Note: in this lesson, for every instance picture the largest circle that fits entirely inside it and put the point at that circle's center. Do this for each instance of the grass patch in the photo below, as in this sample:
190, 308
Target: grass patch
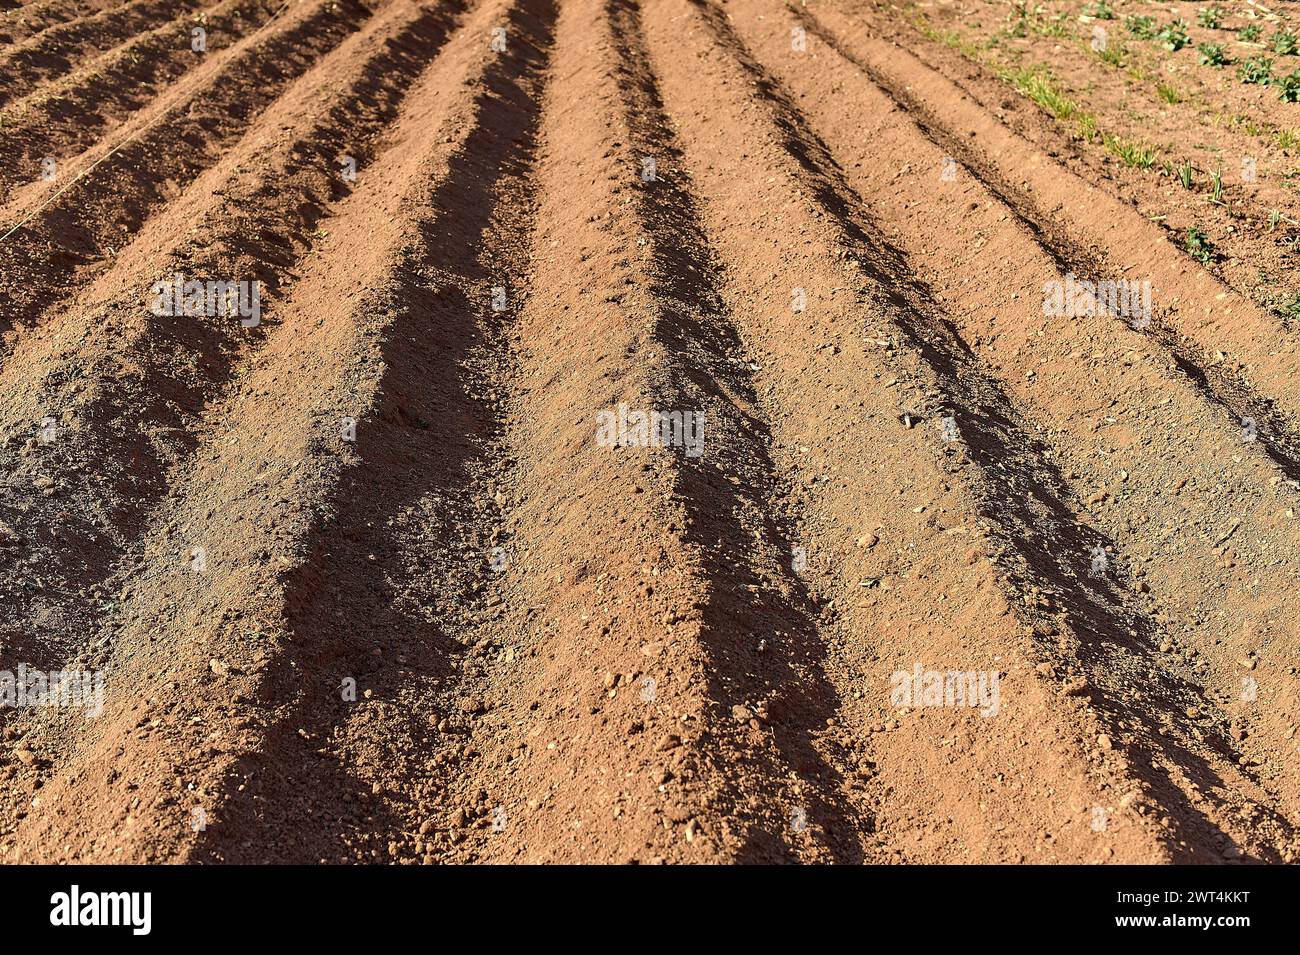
1087, 127
1036, 83
1132, 154
1246, 123
1113, 55
949, 38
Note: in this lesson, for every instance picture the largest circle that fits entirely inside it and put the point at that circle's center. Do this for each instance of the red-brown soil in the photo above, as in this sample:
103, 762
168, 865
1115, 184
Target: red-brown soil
363, 581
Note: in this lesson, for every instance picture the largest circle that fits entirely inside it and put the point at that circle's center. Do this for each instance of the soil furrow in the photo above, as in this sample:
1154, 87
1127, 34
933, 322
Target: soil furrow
59, 50
1184, 580
645, 431
830, 433
150, 162
152, 432
270, 198
31, 18
60, 120
593, 738
1025, 497
1253, 219
588, 740
416, 513
1241, 356
729, 495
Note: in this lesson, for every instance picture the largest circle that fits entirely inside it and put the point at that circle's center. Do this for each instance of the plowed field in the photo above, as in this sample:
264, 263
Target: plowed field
394, 562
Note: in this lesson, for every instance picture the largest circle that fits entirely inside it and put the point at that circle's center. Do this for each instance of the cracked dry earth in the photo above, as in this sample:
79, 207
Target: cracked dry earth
363, 583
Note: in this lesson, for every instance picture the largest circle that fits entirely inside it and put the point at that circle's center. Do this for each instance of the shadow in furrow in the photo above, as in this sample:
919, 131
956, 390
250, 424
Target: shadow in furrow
1023, 497
136, 435
73, 113
40, 263
425, 437
1278, 435
63, 49
753, 594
